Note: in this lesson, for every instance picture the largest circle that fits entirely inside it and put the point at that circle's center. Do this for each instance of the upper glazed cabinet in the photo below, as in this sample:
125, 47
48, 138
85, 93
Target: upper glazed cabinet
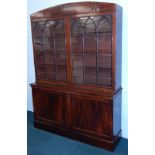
77, 48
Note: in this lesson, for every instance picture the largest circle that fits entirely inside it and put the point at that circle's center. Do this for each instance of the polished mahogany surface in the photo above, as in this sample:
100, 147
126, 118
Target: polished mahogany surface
77, 55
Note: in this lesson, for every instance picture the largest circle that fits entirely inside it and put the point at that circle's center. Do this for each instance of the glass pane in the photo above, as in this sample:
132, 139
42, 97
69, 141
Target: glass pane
54, 27
61, 73
104, 61
77, 44
104, 82
90, 71
50, 76
40, 75
38, 44
50, 66
78, 79
61, 60
38, 29
77, 71
77, 61
104, 23
50, 59
104, 73
91, 48
60, 44
77, 26
90, 80
49, 44
90, 43
50, 69
90, 60
89, 25
40, 65
104, 43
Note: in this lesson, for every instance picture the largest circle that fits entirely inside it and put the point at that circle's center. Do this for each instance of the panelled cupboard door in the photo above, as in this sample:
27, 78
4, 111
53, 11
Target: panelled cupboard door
90, 116
91, 50
50, 50
49, 107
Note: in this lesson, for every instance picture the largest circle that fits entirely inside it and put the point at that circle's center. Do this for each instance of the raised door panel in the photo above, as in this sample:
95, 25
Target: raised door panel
50, 50
90, 116
49, 107
91, 50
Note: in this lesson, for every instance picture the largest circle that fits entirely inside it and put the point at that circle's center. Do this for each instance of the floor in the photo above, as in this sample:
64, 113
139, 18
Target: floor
40, 142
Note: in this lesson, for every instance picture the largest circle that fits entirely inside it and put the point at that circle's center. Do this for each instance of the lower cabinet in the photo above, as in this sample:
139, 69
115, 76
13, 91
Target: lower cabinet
49, 107
90, 116
82, 117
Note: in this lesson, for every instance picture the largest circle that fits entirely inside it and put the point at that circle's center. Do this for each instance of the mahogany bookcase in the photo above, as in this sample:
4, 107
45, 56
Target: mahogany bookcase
77, 56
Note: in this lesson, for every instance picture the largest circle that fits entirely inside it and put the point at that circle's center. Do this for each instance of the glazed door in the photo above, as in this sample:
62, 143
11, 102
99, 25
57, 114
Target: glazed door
49, 107
50, 50
89, 116
91, 50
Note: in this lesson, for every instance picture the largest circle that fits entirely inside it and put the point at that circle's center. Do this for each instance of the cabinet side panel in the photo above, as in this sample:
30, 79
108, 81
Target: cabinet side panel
117, 106
118, 76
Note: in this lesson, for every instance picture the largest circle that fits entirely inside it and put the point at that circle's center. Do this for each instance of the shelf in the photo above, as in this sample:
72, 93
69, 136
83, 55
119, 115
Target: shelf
99, 68
87, 52
53, 65
48, 52
92, 33
51, 52
46, 73
55, 53
46, 36
90, 54
50, 73
94, 77
55, 35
